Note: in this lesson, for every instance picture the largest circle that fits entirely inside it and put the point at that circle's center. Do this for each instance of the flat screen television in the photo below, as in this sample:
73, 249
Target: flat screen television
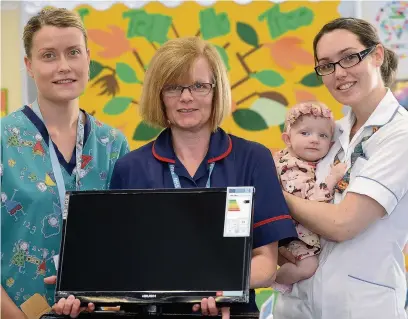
156, 246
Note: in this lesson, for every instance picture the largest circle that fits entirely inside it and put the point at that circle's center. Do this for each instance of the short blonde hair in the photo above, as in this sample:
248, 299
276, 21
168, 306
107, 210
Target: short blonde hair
56, 17
172, 63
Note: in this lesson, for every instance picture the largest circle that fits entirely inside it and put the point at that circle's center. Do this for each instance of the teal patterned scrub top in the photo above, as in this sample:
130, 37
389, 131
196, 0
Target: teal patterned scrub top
31, 219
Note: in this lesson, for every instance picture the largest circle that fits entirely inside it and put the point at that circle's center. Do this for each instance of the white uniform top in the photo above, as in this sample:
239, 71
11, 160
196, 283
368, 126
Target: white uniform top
363, 278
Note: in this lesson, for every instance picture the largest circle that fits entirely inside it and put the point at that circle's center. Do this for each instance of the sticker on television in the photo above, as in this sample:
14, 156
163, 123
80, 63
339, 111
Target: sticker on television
238, 212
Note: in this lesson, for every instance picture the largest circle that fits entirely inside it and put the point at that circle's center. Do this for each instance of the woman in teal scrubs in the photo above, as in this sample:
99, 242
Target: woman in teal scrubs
48, 147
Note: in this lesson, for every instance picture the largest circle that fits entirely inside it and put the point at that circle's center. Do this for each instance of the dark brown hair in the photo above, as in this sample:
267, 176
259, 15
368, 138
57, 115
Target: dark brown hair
368, 37
57, 17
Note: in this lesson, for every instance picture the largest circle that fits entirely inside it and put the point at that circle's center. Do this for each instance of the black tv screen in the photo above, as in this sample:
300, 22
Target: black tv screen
156, 246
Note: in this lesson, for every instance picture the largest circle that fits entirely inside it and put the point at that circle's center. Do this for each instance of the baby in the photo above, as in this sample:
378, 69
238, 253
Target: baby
308, 133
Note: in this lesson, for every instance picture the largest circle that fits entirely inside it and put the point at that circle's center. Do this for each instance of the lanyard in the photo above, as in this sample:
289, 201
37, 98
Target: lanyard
56, 167
176, 180
357, 152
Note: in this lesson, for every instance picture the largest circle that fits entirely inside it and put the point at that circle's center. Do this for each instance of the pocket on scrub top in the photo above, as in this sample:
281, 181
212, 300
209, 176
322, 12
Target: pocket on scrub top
369, 300
357, 168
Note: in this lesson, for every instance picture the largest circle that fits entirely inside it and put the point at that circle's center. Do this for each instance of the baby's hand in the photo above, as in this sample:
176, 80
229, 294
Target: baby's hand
337, 171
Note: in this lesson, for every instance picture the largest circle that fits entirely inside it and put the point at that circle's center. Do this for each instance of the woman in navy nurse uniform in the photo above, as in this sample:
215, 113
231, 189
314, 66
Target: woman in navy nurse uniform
186, 91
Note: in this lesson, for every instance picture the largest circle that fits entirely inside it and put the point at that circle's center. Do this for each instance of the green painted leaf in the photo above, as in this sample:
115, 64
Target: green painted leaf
213, 25
94, 69
282, 127
153, 27
269, 78
224, 56
117, 105
249, 120
311, 80
126, 73
144, 132
83, 12
272, 112
247, 34
281, 22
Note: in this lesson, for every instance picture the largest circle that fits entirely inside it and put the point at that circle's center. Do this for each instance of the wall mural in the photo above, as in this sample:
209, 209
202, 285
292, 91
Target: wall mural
4, 103
266, 47
391, 20
401, 92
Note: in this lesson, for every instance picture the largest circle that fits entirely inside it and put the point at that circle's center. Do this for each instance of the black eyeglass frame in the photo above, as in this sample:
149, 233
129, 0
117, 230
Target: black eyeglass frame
361, 56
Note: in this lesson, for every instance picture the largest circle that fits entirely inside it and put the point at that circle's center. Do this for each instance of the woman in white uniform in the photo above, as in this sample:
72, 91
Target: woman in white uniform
361, 272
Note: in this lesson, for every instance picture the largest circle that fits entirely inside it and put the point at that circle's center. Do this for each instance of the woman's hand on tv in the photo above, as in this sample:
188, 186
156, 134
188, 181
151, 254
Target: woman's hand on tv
209, 308
69, 306
52, 280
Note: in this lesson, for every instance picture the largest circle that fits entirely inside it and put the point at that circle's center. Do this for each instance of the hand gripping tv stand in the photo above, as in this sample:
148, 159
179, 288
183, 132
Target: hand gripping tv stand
149, 312
112, 315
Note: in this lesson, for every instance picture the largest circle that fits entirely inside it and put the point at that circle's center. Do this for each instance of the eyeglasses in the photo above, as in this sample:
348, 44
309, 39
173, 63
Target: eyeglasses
347, 62
196, 89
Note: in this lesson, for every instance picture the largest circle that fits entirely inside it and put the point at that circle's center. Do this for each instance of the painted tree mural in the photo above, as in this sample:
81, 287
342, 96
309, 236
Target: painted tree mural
266, 48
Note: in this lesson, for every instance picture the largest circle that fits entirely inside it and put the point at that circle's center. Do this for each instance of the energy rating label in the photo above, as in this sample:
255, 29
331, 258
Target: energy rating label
238, 211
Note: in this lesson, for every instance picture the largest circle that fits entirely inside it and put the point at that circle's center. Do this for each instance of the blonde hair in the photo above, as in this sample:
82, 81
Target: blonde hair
172, 63
57, 17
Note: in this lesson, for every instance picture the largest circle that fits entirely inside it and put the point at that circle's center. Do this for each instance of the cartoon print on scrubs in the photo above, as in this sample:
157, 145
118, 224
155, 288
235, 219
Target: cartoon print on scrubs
108, 142
10, 282
11, 163
31, 210
11, 206
38, 149
22, 256
46, 184
42, 264
14, 139
18, 295
52, 223
85, 160
20, 251
25, 257
357, 152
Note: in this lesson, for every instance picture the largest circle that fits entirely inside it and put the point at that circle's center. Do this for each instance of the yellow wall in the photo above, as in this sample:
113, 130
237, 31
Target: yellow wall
11, 63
